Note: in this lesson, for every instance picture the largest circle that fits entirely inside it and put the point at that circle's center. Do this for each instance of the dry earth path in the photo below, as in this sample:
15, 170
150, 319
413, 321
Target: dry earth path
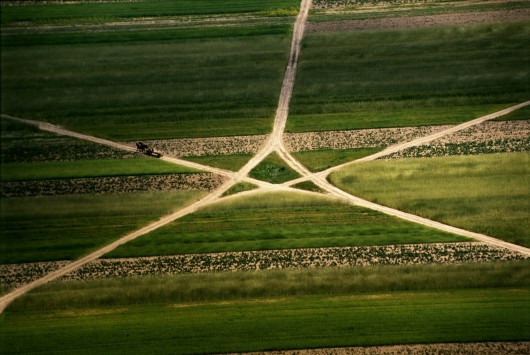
274, 143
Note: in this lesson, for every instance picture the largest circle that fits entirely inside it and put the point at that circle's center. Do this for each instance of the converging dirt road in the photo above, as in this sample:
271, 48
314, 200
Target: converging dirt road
273, 143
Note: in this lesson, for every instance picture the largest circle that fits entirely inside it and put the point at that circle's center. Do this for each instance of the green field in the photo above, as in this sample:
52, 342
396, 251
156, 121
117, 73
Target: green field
487, 194
67, 227
318, 160
89, 168
232, 162
106, 12
273, 169
278, 221
520, 114
239, 187
314, 310
148, 85
409, 77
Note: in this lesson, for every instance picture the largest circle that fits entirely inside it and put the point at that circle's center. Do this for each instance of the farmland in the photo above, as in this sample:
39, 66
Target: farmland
258, 230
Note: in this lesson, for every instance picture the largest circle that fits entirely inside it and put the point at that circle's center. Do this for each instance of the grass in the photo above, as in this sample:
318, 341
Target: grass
240, 187
183, 83
232, 162
308, 186
318, 160
89, 168
520, 114
374, 79
488, 194
278, 221
98, 12
273, 169
231, 312
67, 227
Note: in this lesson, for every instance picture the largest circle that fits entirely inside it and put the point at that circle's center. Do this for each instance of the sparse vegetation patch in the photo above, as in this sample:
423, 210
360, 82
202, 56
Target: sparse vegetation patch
274, 170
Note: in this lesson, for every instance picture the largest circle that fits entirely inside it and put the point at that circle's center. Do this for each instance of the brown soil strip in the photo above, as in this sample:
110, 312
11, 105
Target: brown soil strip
209, 146
420, 349
294, 258
362, 138
465, 18
485, 138
15, 275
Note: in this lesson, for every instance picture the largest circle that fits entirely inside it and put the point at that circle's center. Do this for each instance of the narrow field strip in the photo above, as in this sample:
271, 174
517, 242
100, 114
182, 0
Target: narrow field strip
411, 254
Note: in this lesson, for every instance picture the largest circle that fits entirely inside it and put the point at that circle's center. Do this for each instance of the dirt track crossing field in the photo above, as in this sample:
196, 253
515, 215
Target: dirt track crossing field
273, 143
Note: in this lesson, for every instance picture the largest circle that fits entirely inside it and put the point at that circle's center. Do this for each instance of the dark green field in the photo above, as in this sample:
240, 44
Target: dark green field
487, 194
318, 160
275, 221
89, 168
67, 227
141, 82
106, 12
409, 77
232, 162
273, 169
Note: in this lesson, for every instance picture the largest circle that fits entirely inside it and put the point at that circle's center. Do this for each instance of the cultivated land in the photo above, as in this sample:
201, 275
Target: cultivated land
201, 82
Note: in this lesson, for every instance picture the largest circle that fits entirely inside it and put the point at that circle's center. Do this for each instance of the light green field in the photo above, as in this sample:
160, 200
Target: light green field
239, 187
56, 318
409, 77
67, 227
278, 221
488, 194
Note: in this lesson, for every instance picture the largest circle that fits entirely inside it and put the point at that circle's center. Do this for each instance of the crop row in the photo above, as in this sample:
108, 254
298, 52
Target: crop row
114, 184
361, 138
294, 258
14, 275
467, 148
209, 146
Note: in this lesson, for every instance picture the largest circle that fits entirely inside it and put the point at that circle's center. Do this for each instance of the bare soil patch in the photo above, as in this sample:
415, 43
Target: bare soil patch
420, 349
115, 184
208, 146
15, 275
485, 138
362, 138
464, 18
294, 258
